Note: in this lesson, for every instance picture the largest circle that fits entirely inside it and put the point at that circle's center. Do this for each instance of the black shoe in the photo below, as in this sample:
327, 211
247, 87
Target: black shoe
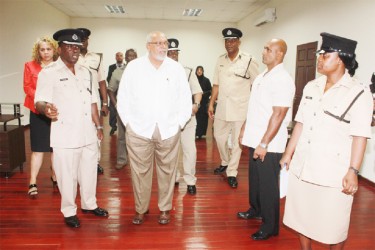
220, 169
72, 221
249, 214
100, 169
260, 235
232, 181
176, 183
191, 189
113, 130
97, 211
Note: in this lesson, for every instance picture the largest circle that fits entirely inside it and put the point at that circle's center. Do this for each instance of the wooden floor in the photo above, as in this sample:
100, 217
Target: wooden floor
204, 221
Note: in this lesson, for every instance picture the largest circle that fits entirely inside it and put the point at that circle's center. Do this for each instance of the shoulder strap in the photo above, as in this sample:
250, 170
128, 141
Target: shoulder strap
341, 118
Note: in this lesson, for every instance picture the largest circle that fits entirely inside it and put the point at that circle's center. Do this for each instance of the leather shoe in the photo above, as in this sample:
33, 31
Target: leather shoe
249, 214
139, 218
191, 189
220, 169
260, 235
164, 217
232, 181
113, 130
97, 211
100, 169
72, 221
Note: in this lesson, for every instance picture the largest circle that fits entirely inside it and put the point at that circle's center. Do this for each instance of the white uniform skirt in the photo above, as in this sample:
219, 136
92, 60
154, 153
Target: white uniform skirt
317, 212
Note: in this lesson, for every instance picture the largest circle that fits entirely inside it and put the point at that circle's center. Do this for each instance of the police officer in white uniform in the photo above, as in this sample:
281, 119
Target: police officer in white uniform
65, 94
234, 73
189, 150
94, 62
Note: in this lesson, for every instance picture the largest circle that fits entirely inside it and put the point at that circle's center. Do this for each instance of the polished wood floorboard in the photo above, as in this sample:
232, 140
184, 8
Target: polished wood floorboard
204, 221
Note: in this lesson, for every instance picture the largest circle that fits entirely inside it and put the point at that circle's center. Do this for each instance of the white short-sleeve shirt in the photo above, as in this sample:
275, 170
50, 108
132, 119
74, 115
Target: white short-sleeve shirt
273, 89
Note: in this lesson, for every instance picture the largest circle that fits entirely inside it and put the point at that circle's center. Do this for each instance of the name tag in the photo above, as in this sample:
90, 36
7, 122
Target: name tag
308, 97
63, 79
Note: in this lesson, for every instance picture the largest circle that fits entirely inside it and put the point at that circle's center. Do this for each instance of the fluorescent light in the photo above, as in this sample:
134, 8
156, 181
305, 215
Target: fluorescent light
115, 9
192, 12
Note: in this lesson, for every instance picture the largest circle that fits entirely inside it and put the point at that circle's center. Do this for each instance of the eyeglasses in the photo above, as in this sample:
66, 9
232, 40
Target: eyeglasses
160, 43
244, 76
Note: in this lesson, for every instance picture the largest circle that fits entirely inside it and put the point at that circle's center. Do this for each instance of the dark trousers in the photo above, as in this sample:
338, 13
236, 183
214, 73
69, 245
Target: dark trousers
202, 120
264, 194
112, 116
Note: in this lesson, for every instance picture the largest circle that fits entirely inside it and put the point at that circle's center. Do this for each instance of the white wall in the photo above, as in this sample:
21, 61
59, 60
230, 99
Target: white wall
21, 23
301, 21
200, 42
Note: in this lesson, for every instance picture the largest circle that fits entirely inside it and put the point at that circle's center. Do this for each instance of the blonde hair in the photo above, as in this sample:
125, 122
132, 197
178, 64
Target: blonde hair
35, 52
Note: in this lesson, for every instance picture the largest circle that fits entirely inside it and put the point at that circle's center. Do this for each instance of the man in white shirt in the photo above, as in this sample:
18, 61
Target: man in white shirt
154, 104
265, 132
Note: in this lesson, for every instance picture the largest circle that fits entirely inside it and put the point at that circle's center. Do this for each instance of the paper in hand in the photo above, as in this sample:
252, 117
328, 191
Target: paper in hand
284, 174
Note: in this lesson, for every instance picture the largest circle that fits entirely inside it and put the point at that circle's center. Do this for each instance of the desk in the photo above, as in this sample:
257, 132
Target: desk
12, 141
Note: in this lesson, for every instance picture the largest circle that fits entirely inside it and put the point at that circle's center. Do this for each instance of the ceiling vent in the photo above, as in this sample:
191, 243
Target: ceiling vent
192, 12
269, 16
115, 9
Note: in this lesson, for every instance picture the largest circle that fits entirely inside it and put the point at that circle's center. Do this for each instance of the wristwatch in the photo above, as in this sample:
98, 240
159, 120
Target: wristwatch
263, 145
198, 104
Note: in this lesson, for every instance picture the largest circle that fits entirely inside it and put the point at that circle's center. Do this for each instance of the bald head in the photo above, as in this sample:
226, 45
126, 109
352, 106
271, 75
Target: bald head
274, 52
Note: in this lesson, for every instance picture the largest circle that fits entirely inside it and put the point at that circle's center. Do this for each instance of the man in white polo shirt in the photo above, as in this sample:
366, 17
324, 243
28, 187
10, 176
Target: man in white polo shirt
265, 132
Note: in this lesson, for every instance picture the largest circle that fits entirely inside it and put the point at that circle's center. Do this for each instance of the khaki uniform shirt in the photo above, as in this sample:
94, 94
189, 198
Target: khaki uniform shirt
115, 79
71, 95
195, 88
234, 90
323, 152
94, 62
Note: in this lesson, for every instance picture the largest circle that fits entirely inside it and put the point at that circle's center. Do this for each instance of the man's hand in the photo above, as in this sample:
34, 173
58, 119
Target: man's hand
50, 111
99, 134
104, 110
260, 153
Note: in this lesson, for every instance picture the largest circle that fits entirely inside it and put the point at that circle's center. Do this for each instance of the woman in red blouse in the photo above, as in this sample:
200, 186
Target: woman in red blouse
44, 52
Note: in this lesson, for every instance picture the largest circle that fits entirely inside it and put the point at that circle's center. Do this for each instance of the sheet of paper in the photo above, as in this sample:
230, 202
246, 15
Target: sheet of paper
284, 174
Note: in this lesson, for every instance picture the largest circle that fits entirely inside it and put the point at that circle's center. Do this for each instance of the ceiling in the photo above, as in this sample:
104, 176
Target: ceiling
213, 10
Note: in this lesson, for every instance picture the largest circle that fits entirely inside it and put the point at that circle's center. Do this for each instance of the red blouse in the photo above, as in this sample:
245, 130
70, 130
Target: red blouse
30, 78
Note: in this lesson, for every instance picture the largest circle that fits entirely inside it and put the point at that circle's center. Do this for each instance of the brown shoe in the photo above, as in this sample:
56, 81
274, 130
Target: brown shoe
164, 217
139, 218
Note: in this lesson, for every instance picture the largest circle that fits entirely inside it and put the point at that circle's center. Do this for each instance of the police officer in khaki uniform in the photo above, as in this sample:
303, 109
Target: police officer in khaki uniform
234, 73
327, 146
64, 93
94, 62
189, 150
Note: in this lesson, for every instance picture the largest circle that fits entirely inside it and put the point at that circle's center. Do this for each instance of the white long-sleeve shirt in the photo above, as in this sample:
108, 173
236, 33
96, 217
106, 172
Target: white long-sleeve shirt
148, 97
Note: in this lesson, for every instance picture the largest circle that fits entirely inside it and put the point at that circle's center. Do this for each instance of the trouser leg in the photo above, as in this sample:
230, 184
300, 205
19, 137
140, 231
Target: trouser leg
166, 156
141, 155
122, 155
87, 176
221, 133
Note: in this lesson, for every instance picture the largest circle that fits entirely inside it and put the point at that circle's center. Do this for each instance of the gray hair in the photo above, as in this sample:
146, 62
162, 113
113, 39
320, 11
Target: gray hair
151, 34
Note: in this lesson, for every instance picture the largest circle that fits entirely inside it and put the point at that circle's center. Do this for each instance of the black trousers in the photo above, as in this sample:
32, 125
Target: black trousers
264, 194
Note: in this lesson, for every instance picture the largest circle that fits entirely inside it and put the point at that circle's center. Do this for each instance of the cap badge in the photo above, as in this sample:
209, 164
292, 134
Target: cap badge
229, 32
75, 37
173, 44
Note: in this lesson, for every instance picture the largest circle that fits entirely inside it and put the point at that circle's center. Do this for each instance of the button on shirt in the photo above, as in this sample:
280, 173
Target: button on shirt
148, 96
273, 89
234, 91
70, 94
323, 152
